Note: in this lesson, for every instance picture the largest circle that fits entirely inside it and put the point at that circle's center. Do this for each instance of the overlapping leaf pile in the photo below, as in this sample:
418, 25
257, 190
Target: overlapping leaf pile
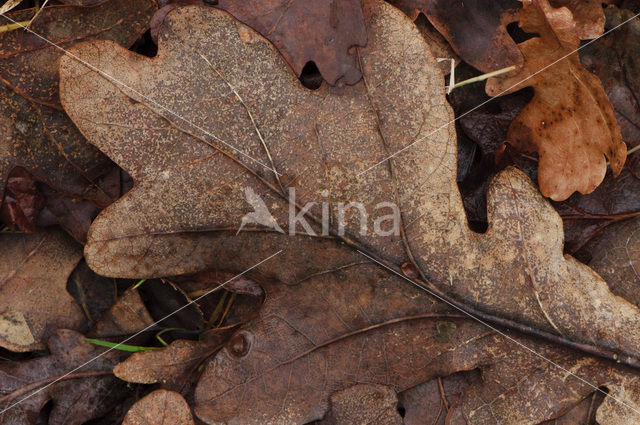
330, 321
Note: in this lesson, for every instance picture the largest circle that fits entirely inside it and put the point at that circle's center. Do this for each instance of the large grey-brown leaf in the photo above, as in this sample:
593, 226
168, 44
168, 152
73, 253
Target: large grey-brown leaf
336, 330
188, 201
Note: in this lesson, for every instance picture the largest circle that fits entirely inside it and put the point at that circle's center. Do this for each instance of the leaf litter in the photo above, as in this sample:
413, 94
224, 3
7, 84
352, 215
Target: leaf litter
339, 338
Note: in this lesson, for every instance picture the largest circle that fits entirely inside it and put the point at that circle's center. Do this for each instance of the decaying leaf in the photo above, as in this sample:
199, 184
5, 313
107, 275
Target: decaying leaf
29, 63
22, 202
618, 260
337, 330
126, 316
476, 29
363, 404
569, 122
614, 59
308, 30
159, 408
34, 302
173, 365
85, 394
183, 214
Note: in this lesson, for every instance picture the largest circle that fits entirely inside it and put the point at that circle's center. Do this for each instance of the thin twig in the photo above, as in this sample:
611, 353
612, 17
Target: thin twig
43, 382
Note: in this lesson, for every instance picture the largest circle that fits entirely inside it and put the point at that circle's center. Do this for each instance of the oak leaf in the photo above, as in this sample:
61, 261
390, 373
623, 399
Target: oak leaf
34, 302
323, 336
477, 30
87, 393
308, 30
28, 60
570, 121
614, 60
188, 201
159, 408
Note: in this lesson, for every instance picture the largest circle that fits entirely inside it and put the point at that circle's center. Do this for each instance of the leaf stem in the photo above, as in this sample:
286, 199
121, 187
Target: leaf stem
13, 26
480, 78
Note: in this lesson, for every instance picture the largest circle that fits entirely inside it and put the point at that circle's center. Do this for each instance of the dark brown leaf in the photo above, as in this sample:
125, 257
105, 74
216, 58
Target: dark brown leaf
87, 393
22, 202
617, 259
29, 63
614, 59
308, 30
324, 335
476, 29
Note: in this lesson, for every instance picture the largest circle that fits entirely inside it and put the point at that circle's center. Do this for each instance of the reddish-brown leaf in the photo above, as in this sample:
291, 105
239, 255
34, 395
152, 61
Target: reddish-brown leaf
569, 122
22, 202
308, 30
88, 392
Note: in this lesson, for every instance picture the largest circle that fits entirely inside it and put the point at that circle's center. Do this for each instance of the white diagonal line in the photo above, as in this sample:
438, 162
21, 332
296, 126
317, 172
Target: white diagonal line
148, 99
543, 357
494, 97
134, 335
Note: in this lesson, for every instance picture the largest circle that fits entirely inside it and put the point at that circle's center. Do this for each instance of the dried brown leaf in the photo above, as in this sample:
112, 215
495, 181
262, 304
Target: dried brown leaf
569, 122
87, 393
341, 320
363, 404
33, 298
29, 63
173, 365
475, 29
614, 59
308, 30
159, 408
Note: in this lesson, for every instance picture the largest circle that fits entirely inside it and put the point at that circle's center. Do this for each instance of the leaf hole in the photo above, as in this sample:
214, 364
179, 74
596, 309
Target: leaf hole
518, 34
145, 45
401, 410
310, 76
45, 413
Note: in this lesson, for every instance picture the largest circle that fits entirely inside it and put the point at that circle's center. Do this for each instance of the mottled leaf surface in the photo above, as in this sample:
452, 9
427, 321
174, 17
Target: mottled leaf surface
569, 122
187, 202
34, 302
